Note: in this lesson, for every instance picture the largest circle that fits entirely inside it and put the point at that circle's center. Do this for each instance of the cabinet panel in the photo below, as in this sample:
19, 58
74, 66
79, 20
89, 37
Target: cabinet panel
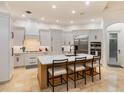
6, 50
19, 60
57, 41
68, 38
19, 34
96, 36
45, 38
31, 58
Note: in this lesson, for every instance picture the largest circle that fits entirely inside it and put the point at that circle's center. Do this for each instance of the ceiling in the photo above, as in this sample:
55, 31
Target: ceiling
63, 11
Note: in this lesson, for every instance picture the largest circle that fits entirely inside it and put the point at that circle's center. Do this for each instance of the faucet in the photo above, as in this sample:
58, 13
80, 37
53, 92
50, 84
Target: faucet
75, 49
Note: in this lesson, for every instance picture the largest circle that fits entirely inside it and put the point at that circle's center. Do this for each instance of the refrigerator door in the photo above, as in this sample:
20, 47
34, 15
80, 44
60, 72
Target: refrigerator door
6, 63
82, 42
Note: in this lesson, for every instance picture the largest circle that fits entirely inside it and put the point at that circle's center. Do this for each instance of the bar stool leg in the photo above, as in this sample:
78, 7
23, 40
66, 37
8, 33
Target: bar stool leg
77, 75
75, 79
99, 73
67, 81
61, 79
53, 83
92, 71
47, 78
85, 76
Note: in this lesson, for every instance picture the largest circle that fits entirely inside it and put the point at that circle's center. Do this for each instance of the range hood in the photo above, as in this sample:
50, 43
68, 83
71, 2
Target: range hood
32, 43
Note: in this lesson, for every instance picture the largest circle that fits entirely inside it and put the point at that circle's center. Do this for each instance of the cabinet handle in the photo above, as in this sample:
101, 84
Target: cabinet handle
12, 35
32, 62
32, 58
12, 51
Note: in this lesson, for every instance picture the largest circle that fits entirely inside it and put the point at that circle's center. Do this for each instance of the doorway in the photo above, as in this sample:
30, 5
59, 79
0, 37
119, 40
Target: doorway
114, 48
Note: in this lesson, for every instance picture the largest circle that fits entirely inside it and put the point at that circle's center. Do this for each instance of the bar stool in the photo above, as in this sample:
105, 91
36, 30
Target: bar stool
79, 65
95, 63
57, 70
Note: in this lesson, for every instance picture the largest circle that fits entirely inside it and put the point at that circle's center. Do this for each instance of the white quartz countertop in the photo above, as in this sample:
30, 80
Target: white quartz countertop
48, 59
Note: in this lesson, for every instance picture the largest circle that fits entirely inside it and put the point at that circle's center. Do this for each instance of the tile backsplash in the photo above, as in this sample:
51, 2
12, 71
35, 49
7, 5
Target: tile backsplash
32, 44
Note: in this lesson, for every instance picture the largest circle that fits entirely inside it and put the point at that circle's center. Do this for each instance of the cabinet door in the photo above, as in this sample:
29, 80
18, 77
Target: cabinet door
95, 36
6, 65
19, 34
45, 38
68, 38
57, 41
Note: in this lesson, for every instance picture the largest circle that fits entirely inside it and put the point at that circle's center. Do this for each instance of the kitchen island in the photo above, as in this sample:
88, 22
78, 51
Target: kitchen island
45, 60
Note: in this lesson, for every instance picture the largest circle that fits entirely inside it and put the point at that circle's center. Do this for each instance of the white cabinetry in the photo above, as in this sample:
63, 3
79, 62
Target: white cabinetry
19, 34
6, 50
96, 36
19, 60
31, 58
56, 41
68, 38
45, 38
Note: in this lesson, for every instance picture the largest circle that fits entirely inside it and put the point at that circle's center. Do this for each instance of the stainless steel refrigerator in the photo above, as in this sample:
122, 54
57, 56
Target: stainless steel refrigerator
82, 42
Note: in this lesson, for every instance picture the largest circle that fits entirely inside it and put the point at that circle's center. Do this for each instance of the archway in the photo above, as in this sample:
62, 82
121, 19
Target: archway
114, 36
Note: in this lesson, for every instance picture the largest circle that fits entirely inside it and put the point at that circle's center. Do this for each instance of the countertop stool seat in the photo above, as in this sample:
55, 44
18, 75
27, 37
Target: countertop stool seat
58, 69
78, 68
94, 65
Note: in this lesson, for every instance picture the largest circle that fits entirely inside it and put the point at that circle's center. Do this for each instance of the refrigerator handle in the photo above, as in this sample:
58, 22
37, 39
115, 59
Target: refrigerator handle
119, 51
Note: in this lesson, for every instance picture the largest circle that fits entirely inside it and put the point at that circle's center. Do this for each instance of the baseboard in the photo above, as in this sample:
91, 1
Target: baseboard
114, 65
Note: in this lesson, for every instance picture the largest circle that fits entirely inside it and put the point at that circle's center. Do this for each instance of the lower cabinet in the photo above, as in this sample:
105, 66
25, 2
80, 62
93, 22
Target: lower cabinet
26, 59
31, 58
19, 60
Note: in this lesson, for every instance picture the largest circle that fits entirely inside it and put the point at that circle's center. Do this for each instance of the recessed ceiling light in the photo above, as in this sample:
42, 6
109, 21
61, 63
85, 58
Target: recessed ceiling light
28, 12
71, 22
92, 20
87, 2
23, 15
42, 18
57, 21
73, 11
53, 6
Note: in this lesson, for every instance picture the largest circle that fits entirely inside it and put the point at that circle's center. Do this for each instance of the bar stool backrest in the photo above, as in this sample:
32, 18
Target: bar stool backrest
59, 63
80, 60
96, 59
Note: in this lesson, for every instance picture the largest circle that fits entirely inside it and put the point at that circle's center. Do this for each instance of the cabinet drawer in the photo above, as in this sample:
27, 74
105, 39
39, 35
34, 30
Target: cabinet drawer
31, 63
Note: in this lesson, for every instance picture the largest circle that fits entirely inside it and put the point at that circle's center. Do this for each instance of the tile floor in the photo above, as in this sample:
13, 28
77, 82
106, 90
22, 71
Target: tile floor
26, 80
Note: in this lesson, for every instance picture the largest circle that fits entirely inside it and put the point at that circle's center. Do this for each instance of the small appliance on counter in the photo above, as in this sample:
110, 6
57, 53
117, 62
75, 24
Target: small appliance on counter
44, 49
18, 49
70, 50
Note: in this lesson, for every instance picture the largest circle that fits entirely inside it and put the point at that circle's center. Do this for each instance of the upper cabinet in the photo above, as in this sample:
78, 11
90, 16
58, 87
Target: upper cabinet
19, 36
31, 28
56, 40
95, 36
67, 38
45, 37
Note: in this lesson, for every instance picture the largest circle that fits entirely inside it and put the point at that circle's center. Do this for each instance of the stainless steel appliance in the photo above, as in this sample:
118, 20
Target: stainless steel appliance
82, 42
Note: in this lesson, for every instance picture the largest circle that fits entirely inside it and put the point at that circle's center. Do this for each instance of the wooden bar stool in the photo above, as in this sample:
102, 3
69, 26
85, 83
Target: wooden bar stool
57, 70
95, 63
78, 66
